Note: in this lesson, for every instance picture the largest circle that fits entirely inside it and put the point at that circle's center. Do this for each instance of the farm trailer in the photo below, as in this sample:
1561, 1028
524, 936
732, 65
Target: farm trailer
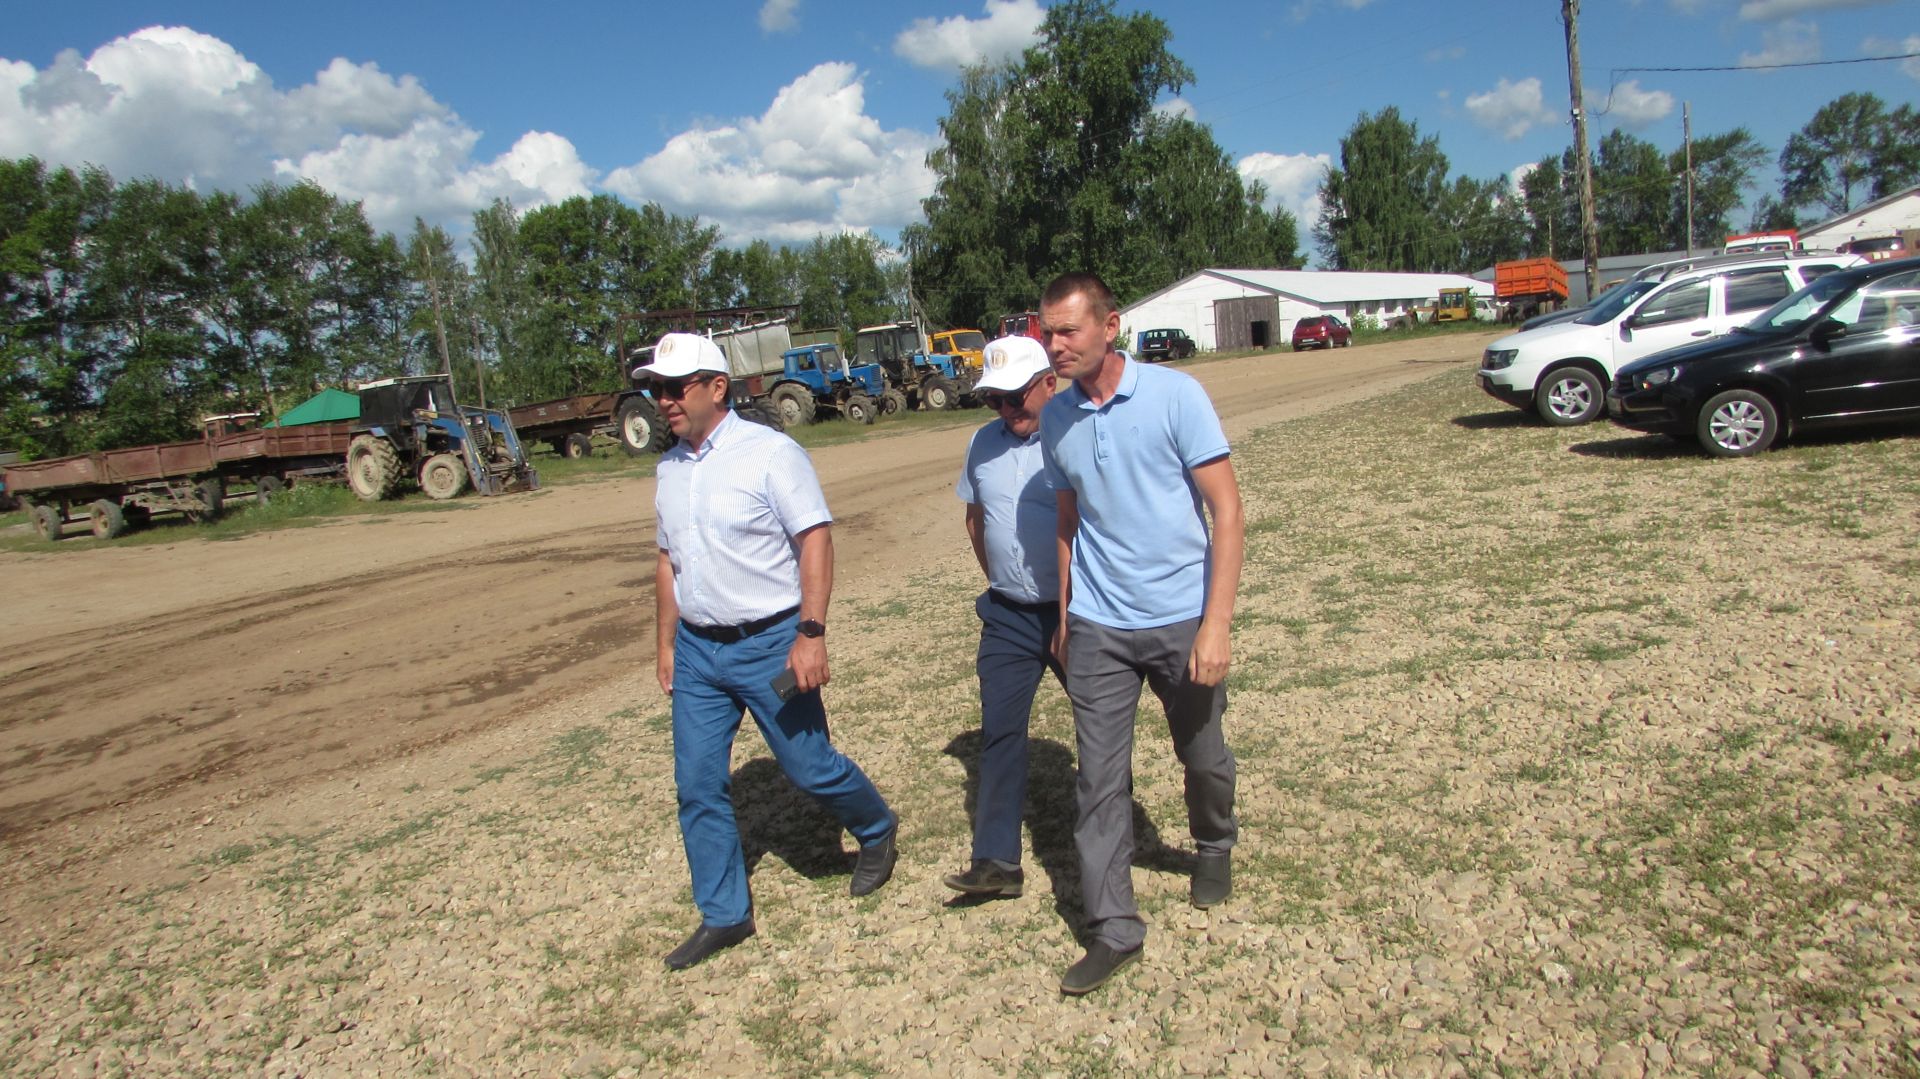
112, 489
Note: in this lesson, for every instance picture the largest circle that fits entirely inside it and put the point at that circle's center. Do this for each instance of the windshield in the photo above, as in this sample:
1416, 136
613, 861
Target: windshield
1610, 304
1793, 312
970, 341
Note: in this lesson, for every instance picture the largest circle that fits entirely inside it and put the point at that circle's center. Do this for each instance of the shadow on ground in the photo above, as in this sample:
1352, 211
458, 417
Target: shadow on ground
775, 818
1639, 447
1499, 420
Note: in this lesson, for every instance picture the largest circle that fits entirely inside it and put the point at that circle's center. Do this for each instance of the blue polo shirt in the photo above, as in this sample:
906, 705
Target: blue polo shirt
1005, 476
1142, 554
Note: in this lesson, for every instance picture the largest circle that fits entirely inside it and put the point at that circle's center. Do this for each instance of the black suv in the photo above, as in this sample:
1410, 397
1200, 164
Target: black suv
1843, 350
1165, 345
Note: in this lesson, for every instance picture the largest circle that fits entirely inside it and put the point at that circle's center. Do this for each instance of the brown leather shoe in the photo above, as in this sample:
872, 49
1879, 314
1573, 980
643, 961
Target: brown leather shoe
985, 878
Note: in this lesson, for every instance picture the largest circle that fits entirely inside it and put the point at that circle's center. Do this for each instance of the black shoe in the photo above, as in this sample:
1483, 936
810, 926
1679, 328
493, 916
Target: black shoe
874, 866
707, 940
1212, 880
987, 879
1095, 967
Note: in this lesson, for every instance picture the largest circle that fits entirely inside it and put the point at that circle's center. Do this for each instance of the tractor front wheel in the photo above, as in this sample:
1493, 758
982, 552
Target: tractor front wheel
938, 393
859, 408
444, 476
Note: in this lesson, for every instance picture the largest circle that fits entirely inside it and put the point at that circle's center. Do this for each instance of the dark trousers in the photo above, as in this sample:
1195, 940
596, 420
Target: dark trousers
1016, 651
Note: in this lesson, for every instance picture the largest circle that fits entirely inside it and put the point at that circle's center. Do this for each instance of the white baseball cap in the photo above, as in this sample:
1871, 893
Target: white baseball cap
679, 355
1011, 363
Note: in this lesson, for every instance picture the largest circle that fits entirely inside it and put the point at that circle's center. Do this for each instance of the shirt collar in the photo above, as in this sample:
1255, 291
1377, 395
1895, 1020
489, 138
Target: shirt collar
1129, 379
718, 434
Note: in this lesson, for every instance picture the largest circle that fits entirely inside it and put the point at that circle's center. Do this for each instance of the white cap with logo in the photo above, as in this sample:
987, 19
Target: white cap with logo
680, 355
1011, 363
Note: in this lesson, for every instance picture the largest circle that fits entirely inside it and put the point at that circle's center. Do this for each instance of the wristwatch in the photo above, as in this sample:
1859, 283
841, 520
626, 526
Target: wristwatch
812, 628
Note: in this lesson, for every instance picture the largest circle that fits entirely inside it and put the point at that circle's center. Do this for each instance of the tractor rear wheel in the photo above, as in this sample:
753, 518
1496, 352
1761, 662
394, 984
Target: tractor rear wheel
938, 393
859, 408
373, 468
576, 445
892, 401
47, 522
105, 517
267, 488
443, 476
794, 404
641, 430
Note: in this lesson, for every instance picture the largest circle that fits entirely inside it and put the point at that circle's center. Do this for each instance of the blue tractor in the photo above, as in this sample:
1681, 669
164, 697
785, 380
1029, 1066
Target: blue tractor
412, 428
921, 378
814, 377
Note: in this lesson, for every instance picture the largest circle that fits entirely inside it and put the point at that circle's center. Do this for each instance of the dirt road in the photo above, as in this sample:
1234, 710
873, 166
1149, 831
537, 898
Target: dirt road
157, 677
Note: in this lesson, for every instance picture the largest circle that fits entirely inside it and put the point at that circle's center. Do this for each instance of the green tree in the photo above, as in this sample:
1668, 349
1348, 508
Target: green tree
1852, 151
47, 353
1058, 161
1723, 167
1551, 200
1632, 195
1380, 207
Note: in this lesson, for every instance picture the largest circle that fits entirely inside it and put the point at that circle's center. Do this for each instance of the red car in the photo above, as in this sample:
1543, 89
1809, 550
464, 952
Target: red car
1321, 331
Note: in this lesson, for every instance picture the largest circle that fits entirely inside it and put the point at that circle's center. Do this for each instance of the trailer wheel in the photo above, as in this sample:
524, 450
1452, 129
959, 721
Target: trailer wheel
640, 428
576, 445
373, 468
212, 495
938, 393
859, 408
892, 401
794, 404
444, 476
267, 488
47, 522
105, 517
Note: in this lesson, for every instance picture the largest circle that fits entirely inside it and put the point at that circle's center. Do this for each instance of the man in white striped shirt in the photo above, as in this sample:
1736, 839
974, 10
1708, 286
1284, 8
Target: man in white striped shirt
744, 575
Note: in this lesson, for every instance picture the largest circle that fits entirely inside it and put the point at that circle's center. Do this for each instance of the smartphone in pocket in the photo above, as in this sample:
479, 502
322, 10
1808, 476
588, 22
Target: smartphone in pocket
785, 685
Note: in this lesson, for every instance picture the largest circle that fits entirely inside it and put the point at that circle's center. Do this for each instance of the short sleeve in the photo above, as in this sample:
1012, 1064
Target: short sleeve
1197, 435
1050, 424
793, 489
963, 487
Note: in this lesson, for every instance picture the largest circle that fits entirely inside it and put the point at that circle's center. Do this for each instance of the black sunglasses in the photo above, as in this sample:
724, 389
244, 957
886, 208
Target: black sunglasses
676, 389
998, 401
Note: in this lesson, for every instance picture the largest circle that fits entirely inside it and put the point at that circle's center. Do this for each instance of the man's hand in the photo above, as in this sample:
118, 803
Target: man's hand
1060, 644
1212, 654
663, 666
808, 659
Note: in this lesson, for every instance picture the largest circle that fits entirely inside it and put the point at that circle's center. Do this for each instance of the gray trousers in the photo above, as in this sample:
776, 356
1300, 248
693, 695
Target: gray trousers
1105, 667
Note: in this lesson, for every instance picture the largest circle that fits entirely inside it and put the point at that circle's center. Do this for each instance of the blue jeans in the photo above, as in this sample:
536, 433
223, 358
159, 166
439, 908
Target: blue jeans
712, 684
1016, 652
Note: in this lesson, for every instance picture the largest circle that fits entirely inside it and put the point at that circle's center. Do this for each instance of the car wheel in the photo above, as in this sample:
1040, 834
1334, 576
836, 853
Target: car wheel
1569, 396
1737, 423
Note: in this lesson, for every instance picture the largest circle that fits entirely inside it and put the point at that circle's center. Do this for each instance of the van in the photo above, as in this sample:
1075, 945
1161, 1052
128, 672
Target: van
1562, 371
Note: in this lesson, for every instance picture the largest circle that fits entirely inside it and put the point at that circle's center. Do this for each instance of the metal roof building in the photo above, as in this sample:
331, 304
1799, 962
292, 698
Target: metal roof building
1231, 309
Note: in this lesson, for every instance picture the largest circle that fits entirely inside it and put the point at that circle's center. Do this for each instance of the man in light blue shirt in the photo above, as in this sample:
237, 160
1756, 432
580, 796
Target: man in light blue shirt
1010, 521
741, 586
1138, 463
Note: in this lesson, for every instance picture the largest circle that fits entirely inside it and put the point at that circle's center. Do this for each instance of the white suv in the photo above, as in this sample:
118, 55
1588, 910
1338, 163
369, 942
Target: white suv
1563, 370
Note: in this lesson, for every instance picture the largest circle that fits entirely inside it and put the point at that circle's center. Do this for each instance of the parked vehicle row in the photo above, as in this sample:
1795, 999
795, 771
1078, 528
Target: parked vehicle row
1562, 370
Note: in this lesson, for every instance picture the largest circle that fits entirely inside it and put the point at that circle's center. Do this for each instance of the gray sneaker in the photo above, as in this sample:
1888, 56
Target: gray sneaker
1101, 962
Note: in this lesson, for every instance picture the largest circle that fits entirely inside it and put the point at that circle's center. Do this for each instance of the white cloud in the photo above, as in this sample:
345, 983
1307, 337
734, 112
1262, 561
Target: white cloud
1292, 181
1880, 46
1177, 106
1769, 10
813, 162
184, 107
1794, 41
1518, 175
1007, 28
780, 16
1630, 106
1448, 52
1511, 108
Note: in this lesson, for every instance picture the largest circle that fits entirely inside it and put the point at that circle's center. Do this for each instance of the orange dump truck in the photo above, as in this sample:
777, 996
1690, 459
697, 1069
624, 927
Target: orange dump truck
1528, 287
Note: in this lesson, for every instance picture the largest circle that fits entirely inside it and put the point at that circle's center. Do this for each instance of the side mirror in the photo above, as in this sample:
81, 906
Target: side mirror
1828, 329
1626, 328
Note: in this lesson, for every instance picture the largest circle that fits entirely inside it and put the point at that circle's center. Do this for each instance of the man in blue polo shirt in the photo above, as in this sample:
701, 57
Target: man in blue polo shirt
1010, 521
1138, 463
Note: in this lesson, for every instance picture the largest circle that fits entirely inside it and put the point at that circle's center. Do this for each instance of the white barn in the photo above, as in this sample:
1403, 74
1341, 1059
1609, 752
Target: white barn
1881, 217
1222, 309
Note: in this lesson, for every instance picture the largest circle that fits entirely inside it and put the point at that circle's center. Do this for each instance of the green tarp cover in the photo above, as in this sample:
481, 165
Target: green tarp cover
326, 406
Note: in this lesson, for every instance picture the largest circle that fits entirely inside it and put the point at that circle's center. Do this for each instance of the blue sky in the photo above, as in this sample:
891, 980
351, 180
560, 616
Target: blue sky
783, 118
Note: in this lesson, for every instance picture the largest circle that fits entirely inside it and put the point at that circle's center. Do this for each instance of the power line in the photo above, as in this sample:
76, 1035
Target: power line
1771, 67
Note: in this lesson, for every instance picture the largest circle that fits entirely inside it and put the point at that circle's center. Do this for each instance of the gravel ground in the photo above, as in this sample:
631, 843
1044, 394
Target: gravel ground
1561, 753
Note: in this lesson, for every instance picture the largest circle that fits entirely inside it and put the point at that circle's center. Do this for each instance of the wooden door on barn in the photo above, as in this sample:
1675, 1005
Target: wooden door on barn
1247, 322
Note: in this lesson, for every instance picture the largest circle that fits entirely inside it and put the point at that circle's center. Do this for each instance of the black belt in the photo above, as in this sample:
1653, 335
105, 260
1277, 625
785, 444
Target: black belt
730, 634
1043, 607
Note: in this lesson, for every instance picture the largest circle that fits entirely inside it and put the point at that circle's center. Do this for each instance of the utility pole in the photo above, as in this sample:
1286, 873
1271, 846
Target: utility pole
1686, 135
1570, 14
